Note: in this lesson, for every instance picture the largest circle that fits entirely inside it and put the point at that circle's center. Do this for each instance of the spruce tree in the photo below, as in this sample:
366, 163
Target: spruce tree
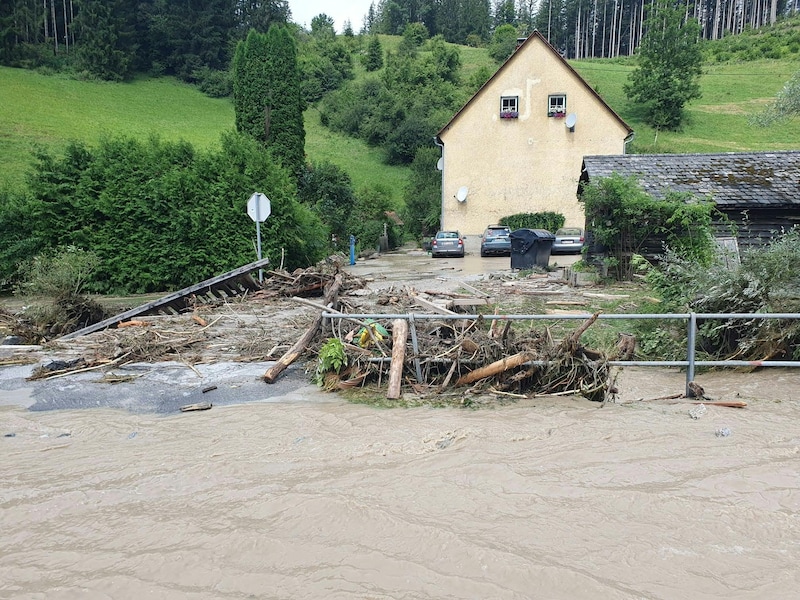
286, 135
670, 65
373, 60
267, 96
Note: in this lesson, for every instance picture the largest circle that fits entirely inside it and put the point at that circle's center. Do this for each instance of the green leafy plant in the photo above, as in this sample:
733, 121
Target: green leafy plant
626, 221
332, 359
57, 279
766, 281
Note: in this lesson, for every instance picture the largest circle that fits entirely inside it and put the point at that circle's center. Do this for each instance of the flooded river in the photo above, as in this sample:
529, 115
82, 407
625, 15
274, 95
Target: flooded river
305, 496
552, 498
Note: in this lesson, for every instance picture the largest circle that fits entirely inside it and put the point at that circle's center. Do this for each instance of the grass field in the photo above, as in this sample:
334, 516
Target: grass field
49, 111
718, 121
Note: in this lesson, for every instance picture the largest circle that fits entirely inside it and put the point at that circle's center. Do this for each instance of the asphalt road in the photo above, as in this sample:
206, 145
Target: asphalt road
157, 387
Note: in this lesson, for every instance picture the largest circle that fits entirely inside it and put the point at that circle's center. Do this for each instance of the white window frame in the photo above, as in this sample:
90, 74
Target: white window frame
556, 104
509, 105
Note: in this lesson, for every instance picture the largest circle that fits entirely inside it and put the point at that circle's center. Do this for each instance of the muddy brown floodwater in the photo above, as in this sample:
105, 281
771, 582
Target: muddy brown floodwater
314, 497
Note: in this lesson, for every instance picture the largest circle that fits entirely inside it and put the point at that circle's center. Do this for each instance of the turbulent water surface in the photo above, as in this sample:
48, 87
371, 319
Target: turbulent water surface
550, 498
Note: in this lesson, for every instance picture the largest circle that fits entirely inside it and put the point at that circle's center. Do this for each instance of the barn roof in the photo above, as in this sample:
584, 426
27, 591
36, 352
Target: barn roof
732, 179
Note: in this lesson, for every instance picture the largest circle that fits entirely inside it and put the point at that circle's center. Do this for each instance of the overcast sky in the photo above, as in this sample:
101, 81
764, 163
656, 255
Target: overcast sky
339, 10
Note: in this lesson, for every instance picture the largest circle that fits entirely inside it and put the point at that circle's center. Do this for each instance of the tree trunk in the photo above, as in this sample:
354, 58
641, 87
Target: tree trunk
504, 364
66, 29
293, 353
55, 26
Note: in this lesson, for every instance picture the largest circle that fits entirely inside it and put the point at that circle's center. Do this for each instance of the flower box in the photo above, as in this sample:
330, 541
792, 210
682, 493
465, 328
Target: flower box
558, 115
509, 114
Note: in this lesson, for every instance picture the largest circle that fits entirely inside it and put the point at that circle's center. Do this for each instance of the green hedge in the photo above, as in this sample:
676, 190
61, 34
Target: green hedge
541, 220
160, 215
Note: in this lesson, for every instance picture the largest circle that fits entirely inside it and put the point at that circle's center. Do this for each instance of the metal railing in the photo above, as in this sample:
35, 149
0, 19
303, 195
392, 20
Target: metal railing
691, 318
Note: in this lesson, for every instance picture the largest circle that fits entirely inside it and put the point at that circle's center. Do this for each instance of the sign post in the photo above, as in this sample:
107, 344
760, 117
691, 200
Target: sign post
259, 208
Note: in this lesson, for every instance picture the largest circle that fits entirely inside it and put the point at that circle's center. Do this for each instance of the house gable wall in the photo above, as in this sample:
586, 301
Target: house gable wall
531, 163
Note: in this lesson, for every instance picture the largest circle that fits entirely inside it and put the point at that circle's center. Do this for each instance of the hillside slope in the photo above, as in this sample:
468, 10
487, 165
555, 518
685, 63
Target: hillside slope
49, 111
718, 121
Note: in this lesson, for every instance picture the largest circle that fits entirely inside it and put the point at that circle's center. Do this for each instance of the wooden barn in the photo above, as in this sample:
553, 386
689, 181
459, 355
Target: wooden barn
758, 191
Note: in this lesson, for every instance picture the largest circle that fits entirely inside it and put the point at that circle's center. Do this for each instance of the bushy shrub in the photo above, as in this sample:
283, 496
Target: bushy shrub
216, 84
160, 215
767, 280
541, 220
57, 279
624, 220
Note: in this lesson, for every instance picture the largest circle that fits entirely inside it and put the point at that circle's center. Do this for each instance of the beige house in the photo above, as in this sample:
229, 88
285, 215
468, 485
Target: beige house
518, 144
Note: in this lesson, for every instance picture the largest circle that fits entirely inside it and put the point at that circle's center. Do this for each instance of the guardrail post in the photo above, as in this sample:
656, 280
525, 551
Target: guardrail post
415, 346
692, 328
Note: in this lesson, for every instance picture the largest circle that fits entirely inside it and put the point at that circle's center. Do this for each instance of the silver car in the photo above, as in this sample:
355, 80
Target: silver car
569, 240
447, 243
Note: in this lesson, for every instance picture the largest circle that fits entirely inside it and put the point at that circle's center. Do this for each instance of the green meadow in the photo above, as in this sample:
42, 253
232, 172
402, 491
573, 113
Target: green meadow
718, 121
48, 111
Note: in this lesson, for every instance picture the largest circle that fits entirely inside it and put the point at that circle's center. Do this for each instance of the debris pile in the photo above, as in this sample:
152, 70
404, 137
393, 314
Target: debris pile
466, 356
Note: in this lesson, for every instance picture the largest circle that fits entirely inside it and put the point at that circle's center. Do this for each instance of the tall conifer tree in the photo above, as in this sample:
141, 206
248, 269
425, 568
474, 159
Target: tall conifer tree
267, 96
286, 135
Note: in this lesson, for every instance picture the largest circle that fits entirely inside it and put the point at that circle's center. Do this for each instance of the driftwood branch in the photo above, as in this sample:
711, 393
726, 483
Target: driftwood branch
504, 364
330, 297
570, 344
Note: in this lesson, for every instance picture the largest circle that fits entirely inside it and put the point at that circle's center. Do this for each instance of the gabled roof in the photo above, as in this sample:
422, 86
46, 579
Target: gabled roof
534, 36
731, 179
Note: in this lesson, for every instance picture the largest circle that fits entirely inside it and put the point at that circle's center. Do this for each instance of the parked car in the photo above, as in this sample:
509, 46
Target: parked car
496, 240
447, 243
569, 240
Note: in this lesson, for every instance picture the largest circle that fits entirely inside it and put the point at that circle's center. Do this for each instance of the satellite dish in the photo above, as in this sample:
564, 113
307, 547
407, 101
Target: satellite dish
462, 192
570, 121
440, 164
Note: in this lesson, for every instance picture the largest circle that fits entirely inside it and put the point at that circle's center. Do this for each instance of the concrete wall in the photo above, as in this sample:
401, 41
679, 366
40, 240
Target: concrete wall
528, 164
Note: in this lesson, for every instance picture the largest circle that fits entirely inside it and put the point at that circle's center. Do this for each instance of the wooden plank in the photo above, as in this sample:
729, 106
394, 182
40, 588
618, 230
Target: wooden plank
462, 302
171, 300
440, 310
399, 336
474, 290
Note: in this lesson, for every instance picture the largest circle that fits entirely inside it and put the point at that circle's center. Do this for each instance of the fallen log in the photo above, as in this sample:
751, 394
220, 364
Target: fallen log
293, 353
498, 366
681, 398
399, 336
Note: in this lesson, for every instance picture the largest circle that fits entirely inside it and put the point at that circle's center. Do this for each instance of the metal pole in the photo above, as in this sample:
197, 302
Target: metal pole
258, 237
690, 343
415, 346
